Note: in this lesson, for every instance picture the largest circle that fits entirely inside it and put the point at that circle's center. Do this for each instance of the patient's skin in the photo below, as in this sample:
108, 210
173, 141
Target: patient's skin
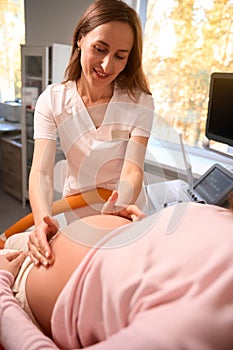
44, 285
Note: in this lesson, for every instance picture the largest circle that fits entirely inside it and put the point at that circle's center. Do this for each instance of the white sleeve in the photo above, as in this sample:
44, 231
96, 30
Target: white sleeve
144, 111
16, 329
44, 122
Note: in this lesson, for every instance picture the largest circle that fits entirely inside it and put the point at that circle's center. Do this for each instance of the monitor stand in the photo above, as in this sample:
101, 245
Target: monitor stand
207, 146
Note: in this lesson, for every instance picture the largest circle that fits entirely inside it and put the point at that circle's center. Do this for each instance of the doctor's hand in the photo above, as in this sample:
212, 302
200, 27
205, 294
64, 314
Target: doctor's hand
131, 211
38, 246
12, 262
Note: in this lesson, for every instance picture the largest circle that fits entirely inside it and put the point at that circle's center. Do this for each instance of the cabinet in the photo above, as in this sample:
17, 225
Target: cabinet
11, 149
40, 66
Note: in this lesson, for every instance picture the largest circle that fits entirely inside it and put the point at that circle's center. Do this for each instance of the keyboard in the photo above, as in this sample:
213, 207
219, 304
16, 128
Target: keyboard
163, 194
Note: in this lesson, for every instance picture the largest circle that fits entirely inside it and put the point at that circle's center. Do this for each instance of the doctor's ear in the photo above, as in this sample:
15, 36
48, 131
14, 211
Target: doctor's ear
78, 48
79, 42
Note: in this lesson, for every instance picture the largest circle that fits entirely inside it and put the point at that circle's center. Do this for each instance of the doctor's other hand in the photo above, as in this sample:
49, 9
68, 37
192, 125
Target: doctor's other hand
12, 262
38, 246
131, 211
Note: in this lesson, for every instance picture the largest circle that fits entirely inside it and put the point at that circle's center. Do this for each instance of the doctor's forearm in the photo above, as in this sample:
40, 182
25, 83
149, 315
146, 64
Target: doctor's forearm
129, 188
131, 179
41, 196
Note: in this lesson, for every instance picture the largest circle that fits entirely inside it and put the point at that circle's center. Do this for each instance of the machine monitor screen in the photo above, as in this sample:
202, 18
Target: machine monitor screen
219, 125
215, 185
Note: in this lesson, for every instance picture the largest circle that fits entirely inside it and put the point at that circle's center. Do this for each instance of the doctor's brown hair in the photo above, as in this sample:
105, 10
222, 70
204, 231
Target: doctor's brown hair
101, 12
230, 201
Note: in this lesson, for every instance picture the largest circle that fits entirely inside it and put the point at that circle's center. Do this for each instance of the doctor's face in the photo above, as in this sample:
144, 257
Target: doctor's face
104, 52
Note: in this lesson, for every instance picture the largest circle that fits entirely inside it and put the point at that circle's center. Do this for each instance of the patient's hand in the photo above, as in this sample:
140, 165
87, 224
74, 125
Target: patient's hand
12, 262
131, 212
38, 246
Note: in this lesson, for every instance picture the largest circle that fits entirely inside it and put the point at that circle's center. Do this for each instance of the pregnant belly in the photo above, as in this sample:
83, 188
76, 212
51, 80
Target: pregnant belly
43, 285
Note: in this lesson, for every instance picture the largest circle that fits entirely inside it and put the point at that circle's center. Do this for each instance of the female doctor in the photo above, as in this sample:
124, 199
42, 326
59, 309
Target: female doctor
102, 114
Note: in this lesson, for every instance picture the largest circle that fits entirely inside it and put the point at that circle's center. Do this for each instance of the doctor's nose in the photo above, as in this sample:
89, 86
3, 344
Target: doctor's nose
107, 64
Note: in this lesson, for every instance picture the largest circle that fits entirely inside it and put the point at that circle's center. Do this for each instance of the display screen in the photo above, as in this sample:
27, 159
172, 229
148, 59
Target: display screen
219, 125
214, 186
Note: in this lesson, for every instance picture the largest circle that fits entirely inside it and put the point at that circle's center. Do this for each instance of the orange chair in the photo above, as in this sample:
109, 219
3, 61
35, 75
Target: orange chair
99, 195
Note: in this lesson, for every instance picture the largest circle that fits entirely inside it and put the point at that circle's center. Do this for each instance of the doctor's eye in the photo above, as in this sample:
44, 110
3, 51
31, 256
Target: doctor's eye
120, 57
99, 49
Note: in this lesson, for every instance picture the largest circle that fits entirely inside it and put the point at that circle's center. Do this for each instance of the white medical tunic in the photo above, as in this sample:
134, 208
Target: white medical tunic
94, 156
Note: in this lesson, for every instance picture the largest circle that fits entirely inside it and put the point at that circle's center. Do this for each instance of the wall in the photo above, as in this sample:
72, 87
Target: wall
52, 21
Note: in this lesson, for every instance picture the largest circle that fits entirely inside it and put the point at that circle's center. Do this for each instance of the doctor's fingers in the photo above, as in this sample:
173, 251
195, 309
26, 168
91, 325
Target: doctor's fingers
109, 206
51, 226
132, 212
113, 197
37, 257
39, 249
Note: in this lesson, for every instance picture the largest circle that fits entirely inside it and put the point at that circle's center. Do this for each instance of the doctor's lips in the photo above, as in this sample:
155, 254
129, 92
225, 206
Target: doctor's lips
101, 74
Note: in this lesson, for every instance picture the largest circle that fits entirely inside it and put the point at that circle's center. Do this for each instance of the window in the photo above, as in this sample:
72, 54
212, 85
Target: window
184, 42
12, 34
